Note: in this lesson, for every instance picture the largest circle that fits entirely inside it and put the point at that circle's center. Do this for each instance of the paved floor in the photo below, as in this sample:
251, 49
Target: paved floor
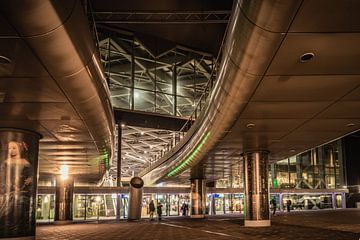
325, 224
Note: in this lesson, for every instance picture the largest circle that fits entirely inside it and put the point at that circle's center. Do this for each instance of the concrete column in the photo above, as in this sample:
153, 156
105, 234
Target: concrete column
198, 198
333, 200
135, 198
64, 200
343, 200
281, 202
256, 189
118, 173
18, 182
212, 210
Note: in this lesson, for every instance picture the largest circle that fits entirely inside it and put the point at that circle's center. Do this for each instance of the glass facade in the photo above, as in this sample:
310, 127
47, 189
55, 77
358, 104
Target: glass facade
168, 83
309, 181
319, 168
45, 208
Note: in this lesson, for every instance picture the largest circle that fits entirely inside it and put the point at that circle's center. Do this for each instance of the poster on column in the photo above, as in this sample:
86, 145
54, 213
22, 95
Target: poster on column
17, 179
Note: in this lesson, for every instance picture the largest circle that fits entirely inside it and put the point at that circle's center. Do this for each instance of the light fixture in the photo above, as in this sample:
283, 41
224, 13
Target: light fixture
250, 125
142, 133
64, 171
145, 152
4, 60
307, 57
350, 124
122, 125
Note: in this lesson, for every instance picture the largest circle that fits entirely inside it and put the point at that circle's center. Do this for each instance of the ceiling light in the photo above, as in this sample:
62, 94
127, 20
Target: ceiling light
145, 152
350, 124
4, 60
306, 57
142, 133
122, 125
250, 125
64, 171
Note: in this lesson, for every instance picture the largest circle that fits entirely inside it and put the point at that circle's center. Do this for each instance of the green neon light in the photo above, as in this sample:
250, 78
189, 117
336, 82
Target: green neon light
189, 158
275, 183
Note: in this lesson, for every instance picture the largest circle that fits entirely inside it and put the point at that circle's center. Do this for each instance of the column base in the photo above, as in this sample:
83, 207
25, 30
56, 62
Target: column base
198, 216
20, 238
63, 222
257, 223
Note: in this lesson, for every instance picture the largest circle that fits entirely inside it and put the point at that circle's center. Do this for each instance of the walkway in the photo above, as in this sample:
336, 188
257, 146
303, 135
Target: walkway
326, 224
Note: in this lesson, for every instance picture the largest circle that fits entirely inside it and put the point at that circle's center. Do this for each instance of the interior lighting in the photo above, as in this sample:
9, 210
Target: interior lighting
142, 133
250, 125
350, 124
64, 171
4, 60
122, 125
306, 57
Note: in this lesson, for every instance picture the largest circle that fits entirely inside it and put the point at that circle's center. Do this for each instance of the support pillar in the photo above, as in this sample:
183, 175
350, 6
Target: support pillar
135, 198
18, 182
198, 198
256, 189
212, 205
118, 173
64, 200
281, 202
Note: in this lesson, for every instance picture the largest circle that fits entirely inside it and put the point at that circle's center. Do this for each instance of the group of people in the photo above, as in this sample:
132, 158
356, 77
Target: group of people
273, 203
184, 209
152, 210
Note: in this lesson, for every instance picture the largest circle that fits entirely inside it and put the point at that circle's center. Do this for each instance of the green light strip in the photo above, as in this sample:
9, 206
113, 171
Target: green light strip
189, 158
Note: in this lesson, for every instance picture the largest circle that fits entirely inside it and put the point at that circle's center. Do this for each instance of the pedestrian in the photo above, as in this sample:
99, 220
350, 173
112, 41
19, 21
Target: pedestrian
151, 210
288, 205
159, 210
273, 203
184, 209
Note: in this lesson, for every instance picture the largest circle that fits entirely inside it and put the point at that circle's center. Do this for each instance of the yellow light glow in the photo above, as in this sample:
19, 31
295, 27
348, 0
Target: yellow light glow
64, 171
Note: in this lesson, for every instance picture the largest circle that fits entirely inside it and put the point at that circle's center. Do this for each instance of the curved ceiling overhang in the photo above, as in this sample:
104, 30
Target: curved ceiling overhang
266, 96
58, 34
248, 50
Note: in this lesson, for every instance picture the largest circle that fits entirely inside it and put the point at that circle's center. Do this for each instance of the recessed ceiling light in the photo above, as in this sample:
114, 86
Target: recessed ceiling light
4, 60
142, 133
250, 125
306, 57
350, 124
122, 125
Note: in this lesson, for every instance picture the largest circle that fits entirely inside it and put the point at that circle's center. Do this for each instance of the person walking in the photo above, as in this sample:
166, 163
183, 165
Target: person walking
273, 203
159, 210
151, 210
288, 205
184, 209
